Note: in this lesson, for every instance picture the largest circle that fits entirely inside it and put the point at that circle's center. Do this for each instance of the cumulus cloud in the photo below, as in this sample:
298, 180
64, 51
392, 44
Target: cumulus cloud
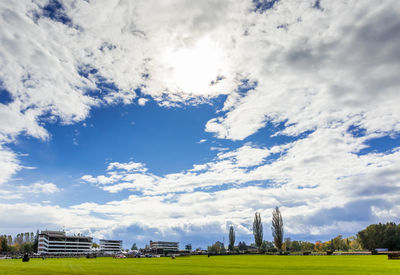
142, 101
18, 191
130, 166
344, 72
319, 173
39, 187
336, 74
227, 168
214, 148
9, 164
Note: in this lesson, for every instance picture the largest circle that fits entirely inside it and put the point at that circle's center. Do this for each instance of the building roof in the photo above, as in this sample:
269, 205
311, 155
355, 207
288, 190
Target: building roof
162, 242
110, 240
62, 234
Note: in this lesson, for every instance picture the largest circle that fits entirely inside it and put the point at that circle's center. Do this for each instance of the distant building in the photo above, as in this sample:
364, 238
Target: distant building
379, 250
163, 247
57, 242
110, 246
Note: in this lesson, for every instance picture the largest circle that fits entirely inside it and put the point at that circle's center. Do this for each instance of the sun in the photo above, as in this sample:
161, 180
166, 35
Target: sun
199, 69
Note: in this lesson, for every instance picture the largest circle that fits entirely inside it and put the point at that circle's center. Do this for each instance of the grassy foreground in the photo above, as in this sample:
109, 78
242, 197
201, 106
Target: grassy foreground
240, 264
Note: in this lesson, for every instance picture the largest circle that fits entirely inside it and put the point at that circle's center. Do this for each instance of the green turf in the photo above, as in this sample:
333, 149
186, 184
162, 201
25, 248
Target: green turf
240, 264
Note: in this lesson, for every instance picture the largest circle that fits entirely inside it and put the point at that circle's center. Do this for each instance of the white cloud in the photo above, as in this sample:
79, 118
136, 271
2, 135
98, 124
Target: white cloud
344, 72
128, 45
214, 148
39, 187
9, 164
142, 101
18, 192
130, 166
319, 175
9, 195
248, 155
101, 179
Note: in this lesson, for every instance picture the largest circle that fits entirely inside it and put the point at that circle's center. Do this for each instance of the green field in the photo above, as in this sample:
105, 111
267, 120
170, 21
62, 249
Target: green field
240, 264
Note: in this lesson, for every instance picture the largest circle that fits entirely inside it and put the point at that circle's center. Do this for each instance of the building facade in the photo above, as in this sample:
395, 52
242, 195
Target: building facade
110, 246
57, 242
163, 247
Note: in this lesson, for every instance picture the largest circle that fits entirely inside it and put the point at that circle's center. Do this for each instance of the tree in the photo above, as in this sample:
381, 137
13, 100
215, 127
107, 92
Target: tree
257, 230
19, 239
36, 242
391, 237
354, 243
242, 246
134, 247
319, 246
27, 247
9, 239
3, 244
216, 248
337, 242
380, 236
188, 247
277, 228
231, 238
288, 244
296, 246
27, 237
307, 246
95, 245
266, 246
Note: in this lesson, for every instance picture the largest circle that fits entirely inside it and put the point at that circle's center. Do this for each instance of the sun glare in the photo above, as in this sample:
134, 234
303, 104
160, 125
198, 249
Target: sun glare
199, 69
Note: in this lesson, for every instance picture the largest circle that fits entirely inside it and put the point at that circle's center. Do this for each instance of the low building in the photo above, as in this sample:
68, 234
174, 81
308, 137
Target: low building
110, 246
160, 247
381, 250
57, 242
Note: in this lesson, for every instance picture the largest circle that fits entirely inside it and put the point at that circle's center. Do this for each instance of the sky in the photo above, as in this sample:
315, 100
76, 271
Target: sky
173, 120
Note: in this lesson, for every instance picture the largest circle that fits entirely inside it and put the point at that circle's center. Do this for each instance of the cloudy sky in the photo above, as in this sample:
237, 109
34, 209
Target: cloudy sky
172, 120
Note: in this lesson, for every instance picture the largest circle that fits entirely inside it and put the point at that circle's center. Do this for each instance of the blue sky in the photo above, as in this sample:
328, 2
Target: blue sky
142, 122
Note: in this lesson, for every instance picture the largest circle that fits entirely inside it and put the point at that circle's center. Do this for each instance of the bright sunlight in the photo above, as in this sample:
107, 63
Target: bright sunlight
199, 69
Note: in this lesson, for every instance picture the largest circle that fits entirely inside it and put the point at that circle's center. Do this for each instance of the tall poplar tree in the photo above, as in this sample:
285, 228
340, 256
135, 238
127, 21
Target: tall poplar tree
257, 230
277, 228
231, 238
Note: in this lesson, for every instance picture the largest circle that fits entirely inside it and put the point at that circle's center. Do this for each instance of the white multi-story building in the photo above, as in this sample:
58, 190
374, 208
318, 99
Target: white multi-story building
110, 246
57, 242
160, 247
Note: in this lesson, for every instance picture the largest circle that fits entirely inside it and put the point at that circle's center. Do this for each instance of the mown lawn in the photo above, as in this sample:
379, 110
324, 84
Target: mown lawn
240, 264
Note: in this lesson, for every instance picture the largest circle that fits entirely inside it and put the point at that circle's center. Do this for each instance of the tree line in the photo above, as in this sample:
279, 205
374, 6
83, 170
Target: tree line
22, 242
380, 236
372, 237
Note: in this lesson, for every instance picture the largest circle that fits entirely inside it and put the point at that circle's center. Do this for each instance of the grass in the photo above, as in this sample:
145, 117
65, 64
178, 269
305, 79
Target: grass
239, 264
